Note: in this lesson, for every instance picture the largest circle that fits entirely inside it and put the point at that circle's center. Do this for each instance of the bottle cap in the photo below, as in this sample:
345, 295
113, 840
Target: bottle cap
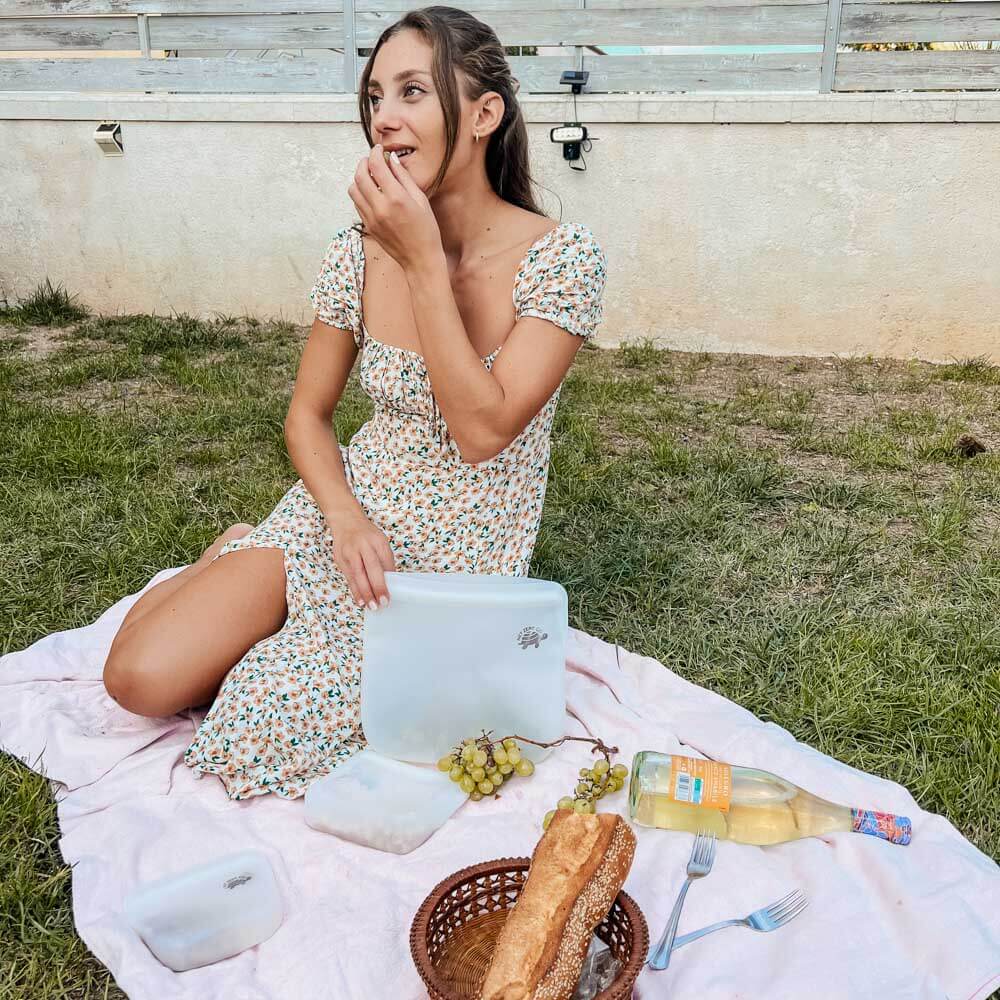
886, 826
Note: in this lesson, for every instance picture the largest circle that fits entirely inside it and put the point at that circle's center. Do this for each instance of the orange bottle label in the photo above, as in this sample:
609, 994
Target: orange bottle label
700, 782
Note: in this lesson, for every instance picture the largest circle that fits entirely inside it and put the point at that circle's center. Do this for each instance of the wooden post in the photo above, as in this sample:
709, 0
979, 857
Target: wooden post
143, 35
350, 50
831, 39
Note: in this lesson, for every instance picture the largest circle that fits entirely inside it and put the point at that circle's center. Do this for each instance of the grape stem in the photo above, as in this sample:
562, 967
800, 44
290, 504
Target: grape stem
599, 745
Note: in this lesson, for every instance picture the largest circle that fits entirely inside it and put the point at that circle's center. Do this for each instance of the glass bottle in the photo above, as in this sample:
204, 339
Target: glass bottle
742, 803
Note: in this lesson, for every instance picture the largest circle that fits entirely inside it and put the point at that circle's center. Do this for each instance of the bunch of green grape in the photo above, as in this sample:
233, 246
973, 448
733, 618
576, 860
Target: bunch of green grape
481, 766
595, 782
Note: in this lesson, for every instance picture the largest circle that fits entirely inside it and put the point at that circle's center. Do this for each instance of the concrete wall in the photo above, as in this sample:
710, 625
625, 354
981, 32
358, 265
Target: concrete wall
781, 224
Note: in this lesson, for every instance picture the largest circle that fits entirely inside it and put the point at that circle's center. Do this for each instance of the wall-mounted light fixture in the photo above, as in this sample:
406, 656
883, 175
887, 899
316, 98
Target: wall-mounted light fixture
573, 135
109, 137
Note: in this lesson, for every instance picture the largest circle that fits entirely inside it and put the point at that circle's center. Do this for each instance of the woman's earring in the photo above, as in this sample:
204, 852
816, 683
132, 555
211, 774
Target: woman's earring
477, 135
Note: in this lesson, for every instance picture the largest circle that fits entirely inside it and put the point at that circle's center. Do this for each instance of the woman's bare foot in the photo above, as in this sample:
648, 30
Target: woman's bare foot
236, 531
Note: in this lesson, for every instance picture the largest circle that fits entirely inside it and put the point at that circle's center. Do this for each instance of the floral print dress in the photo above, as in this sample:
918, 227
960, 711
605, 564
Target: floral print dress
289, 710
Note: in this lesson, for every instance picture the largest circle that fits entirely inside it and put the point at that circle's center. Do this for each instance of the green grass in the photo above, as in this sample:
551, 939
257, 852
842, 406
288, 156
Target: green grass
46, 305
796, 534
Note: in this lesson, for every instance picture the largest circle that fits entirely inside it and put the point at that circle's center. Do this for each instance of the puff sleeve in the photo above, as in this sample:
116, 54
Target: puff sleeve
336, 293
562, 280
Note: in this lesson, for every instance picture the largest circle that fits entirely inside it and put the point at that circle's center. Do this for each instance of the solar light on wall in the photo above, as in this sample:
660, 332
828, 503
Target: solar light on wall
109, 137
572, 135
575, 78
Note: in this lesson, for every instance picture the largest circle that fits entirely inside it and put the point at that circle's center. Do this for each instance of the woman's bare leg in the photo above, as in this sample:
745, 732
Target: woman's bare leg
155, 595
178, 653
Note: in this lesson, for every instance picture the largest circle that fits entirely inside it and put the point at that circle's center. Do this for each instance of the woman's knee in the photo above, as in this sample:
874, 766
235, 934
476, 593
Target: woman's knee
176, 655
134, 681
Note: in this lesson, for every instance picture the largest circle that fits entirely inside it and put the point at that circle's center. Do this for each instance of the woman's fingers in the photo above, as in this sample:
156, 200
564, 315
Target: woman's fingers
357, 580
388, 559
365, 567
376, 574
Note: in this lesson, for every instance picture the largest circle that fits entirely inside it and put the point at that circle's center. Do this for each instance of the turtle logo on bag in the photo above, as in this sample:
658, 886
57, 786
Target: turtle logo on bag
531, 636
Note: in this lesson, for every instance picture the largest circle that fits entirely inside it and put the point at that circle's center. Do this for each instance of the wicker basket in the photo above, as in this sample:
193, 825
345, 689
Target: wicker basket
456, 927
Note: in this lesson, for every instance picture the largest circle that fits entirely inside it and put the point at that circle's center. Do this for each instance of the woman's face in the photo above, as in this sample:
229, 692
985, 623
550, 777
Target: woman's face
406, 110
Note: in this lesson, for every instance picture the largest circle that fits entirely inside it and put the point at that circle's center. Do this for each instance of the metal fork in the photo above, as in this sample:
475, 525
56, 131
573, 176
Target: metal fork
700, 864
768, 918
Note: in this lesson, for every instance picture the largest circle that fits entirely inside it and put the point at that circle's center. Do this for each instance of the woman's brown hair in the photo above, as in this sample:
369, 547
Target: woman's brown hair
461, 42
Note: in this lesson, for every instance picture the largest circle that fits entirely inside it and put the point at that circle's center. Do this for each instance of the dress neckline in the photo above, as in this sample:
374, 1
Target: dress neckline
407, 350
417, 354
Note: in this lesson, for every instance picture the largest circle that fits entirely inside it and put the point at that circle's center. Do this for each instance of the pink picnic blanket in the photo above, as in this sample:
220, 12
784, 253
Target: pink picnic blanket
890, 922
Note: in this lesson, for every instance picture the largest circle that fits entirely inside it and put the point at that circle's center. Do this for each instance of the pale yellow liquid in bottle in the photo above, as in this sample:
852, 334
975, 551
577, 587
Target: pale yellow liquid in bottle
764, 809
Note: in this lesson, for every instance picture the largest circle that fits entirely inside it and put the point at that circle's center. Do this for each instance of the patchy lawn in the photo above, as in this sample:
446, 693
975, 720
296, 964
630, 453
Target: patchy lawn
799, 534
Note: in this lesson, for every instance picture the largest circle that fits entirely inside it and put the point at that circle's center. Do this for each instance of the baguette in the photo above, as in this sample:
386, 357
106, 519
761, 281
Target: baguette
577, 869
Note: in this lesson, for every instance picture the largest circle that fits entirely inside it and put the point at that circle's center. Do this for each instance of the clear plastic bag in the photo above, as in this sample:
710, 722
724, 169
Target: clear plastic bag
599, 971
382, 803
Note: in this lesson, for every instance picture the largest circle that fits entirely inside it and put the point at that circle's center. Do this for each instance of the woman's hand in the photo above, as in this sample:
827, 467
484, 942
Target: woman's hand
394, 209
362, 553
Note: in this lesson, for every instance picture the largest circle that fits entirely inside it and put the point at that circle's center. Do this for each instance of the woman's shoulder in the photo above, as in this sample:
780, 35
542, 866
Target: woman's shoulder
572, 231
344, 251
336, 293
345, 240
562, 279
582, 242
576, 231
564, 244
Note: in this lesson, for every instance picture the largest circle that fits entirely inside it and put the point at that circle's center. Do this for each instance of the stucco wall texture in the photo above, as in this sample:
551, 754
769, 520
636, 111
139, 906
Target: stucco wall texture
781, 238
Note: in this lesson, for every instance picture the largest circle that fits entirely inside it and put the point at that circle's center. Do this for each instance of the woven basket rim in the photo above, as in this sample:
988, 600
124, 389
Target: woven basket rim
421, 921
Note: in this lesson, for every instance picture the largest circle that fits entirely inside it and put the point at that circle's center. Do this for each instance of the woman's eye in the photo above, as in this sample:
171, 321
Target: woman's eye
406, 93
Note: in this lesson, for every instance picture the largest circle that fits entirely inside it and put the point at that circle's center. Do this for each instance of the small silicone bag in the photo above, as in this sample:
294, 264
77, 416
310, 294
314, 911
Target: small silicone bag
456, 653
204, 914
382, 803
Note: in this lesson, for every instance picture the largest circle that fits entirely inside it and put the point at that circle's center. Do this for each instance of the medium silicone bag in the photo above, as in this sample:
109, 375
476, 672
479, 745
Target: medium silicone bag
454, 654
382, 803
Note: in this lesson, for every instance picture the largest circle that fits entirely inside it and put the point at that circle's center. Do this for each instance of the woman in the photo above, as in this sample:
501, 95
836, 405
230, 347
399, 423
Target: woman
467, 306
